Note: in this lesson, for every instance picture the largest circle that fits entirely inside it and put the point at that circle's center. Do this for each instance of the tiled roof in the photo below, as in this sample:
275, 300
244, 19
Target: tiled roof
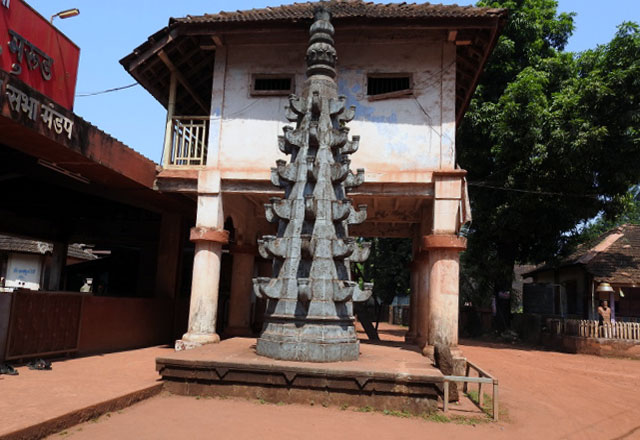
480, 26
14, 244
620, 261
614, 258
346, 9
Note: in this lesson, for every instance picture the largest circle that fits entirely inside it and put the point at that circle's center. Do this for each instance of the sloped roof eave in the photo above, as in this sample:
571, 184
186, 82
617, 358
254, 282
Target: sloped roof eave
352, 11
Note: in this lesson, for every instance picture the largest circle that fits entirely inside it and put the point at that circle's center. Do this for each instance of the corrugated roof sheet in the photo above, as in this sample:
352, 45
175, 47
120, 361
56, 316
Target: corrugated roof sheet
15, 244
346, 9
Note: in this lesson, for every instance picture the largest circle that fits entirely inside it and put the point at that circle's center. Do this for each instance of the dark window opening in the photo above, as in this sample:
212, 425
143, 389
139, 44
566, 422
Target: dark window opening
381, 85
571, 287
272, 84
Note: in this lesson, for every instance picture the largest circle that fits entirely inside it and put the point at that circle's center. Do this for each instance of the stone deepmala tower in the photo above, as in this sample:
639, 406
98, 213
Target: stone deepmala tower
309, 315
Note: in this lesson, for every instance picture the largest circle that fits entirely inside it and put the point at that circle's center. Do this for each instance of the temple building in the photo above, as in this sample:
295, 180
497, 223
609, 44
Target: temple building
63, 181
410, 70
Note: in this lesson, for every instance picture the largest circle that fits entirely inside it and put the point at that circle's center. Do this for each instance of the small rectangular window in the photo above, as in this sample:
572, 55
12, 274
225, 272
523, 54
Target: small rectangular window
272, 84
381, 86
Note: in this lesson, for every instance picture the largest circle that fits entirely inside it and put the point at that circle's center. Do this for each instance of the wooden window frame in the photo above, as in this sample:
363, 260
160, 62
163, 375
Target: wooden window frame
256, 76
395, 94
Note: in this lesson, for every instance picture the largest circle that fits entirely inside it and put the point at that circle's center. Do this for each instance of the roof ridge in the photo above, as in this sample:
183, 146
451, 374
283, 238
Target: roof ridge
346, 8
599, 248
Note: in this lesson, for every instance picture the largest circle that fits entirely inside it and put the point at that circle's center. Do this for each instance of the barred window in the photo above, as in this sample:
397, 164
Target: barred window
388, 85
271, 84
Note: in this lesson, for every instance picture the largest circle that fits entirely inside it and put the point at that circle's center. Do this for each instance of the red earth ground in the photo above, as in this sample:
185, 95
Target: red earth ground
543, 395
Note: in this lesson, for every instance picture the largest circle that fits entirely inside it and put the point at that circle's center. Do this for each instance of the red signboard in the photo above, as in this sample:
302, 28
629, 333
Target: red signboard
34, 51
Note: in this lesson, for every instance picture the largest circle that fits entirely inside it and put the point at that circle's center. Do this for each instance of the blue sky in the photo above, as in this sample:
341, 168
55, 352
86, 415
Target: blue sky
106, 31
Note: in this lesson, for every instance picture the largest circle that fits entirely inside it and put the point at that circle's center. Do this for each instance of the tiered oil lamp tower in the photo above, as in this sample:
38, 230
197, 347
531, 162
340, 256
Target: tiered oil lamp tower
309, 315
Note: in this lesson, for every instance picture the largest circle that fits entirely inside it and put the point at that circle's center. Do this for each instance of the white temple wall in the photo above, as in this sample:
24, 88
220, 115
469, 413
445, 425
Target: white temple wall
401, 139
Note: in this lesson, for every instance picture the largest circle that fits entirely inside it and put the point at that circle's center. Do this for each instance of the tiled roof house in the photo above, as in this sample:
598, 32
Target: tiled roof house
612, 258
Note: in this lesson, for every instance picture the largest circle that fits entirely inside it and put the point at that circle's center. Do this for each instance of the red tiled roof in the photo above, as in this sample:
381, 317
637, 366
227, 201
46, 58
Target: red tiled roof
346, 9
620, 262
614, 258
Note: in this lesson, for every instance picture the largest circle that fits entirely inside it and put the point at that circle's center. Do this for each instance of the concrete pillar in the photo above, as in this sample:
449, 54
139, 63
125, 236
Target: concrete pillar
265, 269
209, 236
241, 290
410, 337
58, 262
169, 252
423, 307
444, 252
421, 267
612, 305
443, 245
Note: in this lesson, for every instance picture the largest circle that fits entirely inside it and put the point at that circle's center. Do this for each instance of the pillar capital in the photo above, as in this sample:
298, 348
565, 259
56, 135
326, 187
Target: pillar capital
443, 242
202, 233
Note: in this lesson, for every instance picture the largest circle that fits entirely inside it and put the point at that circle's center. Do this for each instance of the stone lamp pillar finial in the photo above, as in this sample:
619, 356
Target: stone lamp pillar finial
321, 55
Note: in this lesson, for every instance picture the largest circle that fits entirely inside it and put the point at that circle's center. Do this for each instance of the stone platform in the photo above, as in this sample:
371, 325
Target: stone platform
387, 376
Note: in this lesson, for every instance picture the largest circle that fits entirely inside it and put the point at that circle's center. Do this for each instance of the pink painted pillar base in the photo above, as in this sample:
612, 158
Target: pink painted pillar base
203, 308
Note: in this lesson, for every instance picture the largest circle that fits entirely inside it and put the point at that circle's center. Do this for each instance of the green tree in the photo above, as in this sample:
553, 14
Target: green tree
550, 140
630, 214
387, 268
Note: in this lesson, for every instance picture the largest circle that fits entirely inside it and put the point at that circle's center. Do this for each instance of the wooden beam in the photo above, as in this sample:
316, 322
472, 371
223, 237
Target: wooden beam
462, 59
452, 36
422, 190
159, 45
396, 217
465, 73
182, 80
367, 229
185, 57
177, 185
217, 40
475, 52
382, 25
487, 51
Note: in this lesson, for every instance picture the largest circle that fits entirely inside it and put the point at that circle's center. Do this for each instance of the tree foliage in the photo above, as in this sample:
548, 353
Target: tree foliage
387, 267
550, 140
630, 214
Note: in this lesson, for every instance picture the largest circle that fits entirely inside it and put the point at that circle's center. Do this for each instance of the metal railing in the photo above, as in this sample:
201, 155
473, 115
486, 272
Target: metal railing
593, 329
483, 378
186, 144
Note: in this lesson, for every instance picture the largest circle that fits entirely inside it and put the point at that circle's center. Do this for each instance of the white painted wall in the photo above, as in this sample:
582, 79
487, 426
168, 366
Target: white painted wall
24, 271
401, 139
